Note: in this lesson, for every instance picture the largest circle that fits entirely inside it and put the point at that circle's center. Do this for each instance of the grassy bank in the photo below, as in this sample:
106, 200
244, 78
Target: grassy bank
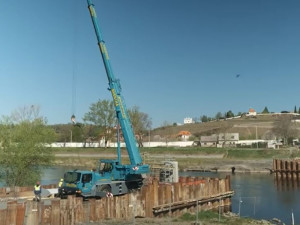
189, 157
238, 153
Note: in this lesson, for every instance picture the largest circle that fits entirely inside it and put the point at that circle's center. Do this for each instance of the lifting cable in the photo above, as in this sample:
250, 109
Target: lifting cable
74, 58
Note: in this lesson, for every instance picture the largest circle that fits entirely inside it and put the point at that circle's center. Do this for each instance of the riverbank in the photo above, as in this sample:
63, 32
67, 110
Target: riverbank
187, 161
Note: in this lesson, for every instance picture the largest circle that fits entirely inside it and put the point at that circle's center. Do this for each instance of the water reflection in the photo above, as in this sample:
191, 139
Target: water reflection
262, 195
286, 182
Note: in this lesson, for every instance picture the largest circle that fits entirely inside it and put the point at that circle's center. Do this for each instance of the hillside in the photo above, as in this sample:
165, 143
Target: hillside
247, 127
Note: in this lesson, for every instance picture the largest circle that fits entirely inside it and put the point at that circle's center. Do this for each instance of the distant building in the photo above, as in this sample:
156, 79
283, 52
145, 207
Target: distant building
228, 139
251, 112
188, 120
220, 140
209, 141
184, 135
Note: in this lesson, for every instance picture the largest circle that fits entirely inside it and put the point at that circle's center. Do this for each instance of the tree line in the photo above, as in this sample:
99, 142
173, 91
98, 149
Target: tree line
230, 114
25, 137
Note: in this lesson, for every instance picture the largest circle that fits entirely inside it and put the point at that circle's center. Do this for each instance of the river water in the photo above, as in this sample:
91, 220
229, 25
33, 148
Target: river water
257, 195
262, 196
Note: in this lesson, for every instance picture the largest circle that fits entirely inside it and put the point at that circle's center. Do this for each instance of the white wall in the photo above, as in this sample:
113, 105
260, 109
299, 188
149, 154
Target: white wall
122, 144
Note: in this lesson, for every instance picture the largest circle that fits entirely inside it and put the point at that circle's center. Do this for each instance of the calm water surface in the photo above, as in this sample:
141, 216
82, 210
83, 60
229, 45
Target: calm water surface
262, 196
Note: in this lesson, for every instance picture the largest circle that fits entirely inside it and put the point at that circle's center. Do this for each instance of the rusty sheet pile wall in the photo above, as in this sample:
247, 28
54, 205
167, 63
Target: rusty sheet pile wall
287, 174
153, 200
286, 168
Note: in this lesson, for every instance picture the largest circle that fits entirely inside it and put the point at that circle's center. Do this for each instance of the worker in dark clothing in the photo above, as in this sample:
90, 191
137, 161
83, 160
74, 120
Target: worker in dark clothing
37, 191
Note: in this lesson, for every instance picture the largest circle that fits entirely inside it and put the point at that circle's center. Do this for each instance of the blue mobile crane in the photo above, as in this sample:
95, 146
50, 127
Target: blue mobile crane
112, 177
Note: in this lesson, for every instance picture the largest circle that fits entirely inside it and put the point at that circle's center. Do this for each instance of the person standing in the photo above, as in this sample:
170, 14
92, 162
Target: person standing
60, 182
37, 191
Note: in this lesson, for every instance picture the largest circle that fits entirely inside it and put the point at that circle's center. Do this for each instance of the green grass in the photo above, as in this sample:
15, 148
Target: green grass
171, 152
231, 153
213, 217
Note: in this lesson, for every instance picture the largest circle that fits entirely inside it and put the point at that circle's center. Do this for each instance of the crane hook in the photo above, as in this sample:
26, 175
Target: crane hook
73, 119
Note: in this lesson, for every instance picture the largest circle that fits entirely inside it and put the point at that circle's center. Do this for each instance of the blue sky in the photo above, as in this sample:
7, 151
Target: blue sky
174, 58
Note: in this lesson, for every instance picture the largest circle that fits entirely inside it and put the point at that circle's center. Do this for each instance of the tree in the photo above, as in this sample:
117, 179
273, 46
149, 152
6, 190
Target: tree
295, 109
24, 137
141, 123
229, 114
265, 111
218, 115
284, 128
102, 113
204, 118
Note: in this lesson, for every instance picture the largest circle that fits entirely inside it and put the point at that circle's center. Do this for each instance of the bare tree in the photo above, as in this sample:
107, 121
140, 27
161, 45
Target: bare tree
141, 123
284, 128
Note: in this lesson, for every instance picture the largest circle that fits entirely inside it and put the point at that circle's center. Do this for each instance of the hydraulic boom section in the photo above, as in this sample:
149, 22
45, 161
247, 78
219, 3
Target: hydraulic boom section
115, 88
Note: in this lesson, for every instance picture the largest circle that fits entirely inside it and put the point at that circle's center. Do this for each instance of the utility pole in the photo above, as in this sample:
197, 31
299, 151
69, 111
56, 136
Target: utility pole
256, 137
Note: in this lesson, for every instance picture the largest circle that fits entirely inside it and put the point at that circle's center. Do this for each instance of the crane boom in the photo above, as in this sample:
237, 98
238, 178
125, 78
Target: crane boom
115, 88
111, 177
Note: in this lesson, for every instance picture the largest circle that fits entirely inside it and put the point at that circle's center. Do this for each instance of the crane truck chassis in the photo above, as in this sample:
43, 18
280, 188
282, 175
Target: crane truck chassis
111, 177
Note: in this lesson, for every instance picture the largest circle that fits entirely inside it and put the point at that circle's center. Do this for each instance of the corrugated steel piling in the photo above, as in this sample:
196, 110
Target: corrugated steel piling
153, 200
287, 173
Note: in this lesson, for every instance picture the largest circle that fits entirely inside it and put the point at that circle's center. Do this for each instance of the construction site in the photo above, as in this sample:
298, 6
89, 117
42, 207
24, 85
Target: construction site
154, 200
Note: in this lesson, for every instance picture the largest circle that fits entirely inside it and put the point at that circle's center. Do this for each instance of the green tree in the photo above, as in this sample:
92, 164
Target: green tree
295, 109
229, 114
102, 114
204, 119
265, 111
141, 123
24, 137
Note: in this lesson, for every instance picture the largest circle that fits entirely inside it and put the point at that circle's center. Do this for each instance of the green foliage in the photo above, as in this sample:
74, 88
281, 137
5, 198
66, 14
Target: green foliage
24, 150
188, 217
265, 111
204, 119
101, 113
229, 114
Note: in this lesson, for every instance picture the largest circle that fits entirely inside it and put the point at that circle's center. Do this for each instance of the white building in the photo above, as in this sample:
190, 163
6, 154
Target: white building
188, 120
251, 112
